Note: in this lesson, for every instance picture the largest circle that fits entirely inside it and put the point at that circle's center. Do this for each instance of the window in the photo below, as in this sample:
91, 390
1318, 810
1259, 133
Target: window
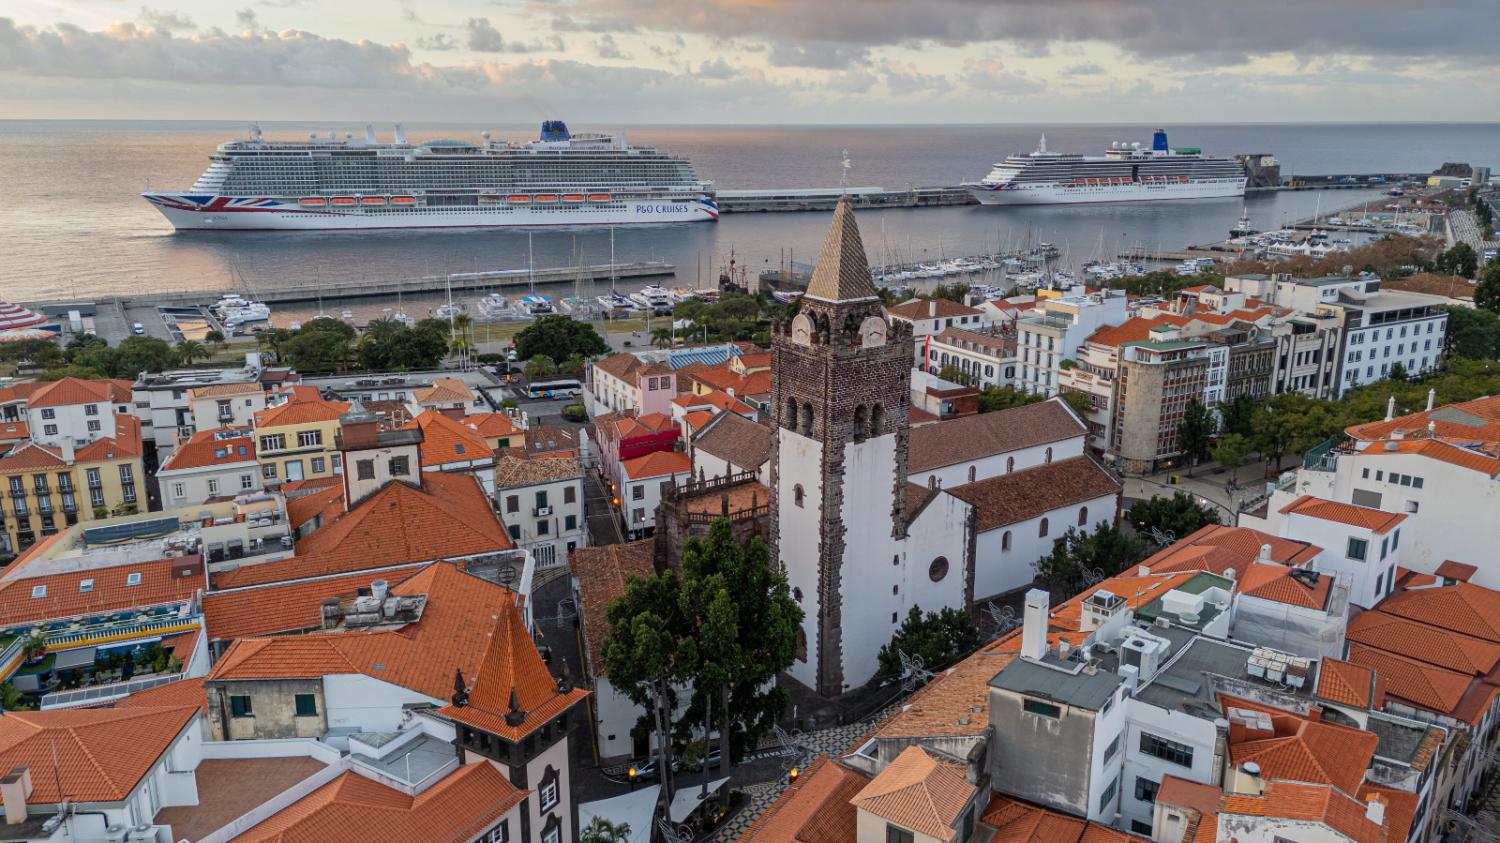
49, 413
247, 481
1048, 457
126, 474
542, 527
512, 503
319, 465
38, 592
1145, 789
1365, 473
273, 442
1108, 797
570, 494
938, 569
1083, 516
638, 492
1357, 549
1384, 548
364, 469
93, 427
309, 438
1005, 541
179, 491
1042, 529
400, 466
640, 515
897, 834
1166, 750
1114, 745
239, 706
213, 486
549, 794
797, 494
133, 578
307, 705
1139, 827
49, 429
541, 499
1380, 583
570, 523
972, 471
515, 531
1041, 709
1396, 539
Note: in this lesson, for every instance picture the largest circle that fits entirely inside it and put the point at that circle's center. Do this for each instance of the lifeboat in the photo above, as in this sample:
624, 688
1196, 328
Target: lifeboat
313, 202
372, 200
598, 197
546, 197
573, 197
403, 200
519, 200
342, 200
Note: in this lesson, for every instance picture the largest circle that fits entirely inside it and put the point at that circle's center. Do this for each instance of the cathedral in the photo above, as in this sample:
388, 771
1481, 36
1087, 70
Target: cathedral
861, 545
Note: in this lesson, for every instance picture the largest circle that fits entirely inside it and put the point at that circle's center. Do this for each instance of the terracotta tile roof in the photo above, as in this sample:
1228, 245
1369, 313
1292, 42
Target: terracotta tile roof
754, 360
1277, 583
1348, 683
353, 808
915, 309
14, 431
1135, 329
205, 449
19, 391
300, 411
29, 456
1456, 571
448, 517
974, 437
723, 379
813, 809
1462, 607
493, 425
1019, 822
541, 439
444, 391
1437, 449
719, 400
622, 366
300, 392
511, 470
100, 754
183, 692
621, 428
657, 464
1216, 549
220, 390
283, 607
1414, 682
1137, 590
510, 677
1312, 752
125, 444
447, 441
71, 391
956, 702
1476, 421
918, 792
1181, 793
1308, 803
327, 502
1032, 492
697, 419
602, 573
455, 625
736, 440
1370, 519
107, 592
1400, 809
1424, 642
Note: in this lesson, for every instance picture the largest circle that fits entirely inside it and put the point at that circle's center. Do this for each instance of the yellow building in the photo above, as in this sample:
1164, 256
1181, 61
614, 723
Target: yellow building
47, 488
295, 441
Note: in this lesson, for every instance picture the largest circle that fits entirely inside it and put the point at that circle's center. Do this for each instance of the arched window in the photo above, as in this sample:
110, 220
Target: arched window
790, 420
797, 494
807, 418
1083, 516
1042, 530
1049, 454
972, 471
932, 481
1010, 464
797, 594
801, 644
860, 420
1005, 540
877, 418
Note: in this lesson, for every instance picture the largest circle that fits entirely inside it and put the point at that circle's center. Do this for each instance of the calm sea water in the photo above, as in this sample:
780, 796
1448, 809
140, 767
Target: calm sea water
74, 224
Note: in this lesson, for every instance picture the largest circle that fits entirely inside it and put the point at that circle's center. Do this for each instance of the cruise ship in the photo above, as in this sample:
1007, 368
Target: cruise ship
348, 183
1124, 173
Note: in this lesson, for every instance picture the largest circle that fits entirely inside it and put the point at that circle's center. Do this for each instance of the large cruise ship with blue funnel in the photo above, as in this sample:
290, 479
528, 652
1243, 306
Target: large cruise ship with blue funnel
1124, 173
562, 178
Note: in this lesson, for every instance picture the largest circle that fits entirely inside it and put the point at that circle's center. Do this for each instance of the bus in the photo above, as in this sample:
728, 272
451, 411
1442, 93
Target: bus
566, 388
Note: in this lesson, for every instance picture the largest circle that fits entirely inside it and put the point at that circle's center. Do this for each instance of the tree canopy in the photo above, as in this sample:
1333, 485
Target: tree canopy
389, 345
559, 337
1079, 557
1475, 332
1180, 514
939, 639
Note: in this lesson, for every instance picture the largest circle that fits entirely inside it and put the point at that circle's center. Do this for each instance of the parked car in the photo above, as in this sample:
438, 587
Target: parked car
137, 329
645, 768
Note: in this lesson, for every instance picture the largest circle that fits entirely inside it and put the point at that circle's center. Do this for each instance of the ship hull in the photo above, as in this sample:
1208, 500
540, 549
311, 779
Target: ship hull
1068, 194
199, 212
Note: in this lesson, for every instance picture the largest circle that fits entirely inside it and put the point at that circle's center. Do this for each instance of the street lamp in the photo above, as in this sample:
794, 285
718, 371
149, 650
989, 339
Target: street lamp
791, 776
631, 774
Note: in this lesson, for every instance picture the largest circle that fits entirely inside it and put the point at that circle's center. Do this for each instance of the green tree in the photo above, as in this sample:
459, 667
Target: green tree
271, 341
81, 342
600, 830
11, 698
388, 345
661, 338
1397, 372
320, 345
742, 632
142, 354
189, 351
641, 656
1291, 423
1082, 557
992, 398
43, 354
559, 337
1231, 453
1474, 333
540, 366
953, 374
939, 639
82, 372
1181, 514
573, 365
1459, 260
1195, 432
1238, 415
1081, 402
216, 338
1487, 293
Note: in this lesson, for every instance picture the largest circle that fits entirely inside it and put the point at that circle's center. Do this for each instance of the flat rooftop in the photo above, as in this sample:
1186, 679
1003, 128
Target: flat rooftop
1187, 683
411, 763
1080, 689
229, 788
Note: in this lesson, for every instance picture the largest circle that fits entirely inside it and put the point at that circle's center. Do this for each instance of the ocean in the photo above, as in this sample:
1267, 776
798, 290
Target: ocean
75, 226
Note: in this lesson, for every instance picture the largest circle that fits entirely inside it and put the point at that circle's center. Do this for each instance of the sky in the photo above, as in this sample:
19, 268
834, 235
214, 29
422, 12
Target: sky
753, 61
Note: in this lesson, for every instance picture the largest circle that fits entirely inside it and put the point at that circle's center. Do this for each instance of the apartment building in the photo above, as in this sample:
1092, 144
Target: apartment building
48, 488
1055, 329
164, 404
226, 404
985, 357
214, 463
540, 501
76, 410
1157, 381
930, 317
296, 440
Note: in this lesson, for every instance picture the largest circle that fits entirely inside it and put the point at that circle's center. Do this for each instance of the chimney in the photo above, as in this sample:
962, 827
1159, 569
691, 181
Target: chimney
931, 308
16, 789
1390, 408
66, 448
1265, 554
1246, 780
1034, 625
1431, 397
1374, 809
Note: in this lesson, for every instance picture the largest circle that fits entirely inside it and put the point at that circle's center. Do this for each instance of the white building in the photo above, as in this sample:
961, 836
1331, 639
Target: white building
226, 404
978, 447
163, 403
1053, 331
641, 481
75, 410
731, 444
214, 463
930, 317
986, 357
1362, 545
540, 501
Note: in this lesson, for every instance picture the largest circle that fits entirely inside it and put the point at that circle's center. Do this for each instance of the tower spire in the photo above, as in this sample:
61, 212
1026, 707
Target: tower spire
842, 272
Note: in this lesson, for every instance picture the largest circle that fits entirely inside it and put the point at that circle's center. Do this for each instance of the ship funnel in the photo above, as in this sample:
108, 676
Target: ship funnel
369, 133
400, 133
1159, 141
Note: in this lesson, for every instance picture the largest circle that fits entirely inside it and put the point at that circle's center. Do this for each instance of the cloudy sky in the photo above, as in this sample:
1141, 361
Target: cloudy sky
752, 61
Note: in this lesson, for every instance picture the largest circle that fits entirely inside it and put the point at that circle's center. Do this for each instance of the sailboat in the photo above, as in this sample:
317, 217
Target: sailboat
615, 303
533, 304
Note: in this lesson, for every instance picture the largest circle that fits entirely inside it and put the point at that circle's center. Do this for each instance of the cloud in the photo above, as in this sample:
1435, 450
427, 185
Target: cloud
1084, 69
991, 77
482, 37
165, 20
817, 54
1215, 31
605, 47
246, 19
716, 69
439, 42
565, 23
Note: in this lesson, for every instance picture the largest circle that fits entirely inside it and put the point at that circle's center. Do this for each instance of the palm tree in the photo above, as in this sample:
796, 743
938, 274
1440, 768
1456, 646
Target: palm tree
463, 336
604, 831
662, 337
190, 350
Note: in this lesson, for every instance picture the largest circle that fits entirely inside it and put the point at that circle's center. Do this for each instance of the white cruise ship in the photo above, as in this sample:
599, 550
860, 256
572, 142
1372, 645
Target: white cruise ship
1124, 173
348, 183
